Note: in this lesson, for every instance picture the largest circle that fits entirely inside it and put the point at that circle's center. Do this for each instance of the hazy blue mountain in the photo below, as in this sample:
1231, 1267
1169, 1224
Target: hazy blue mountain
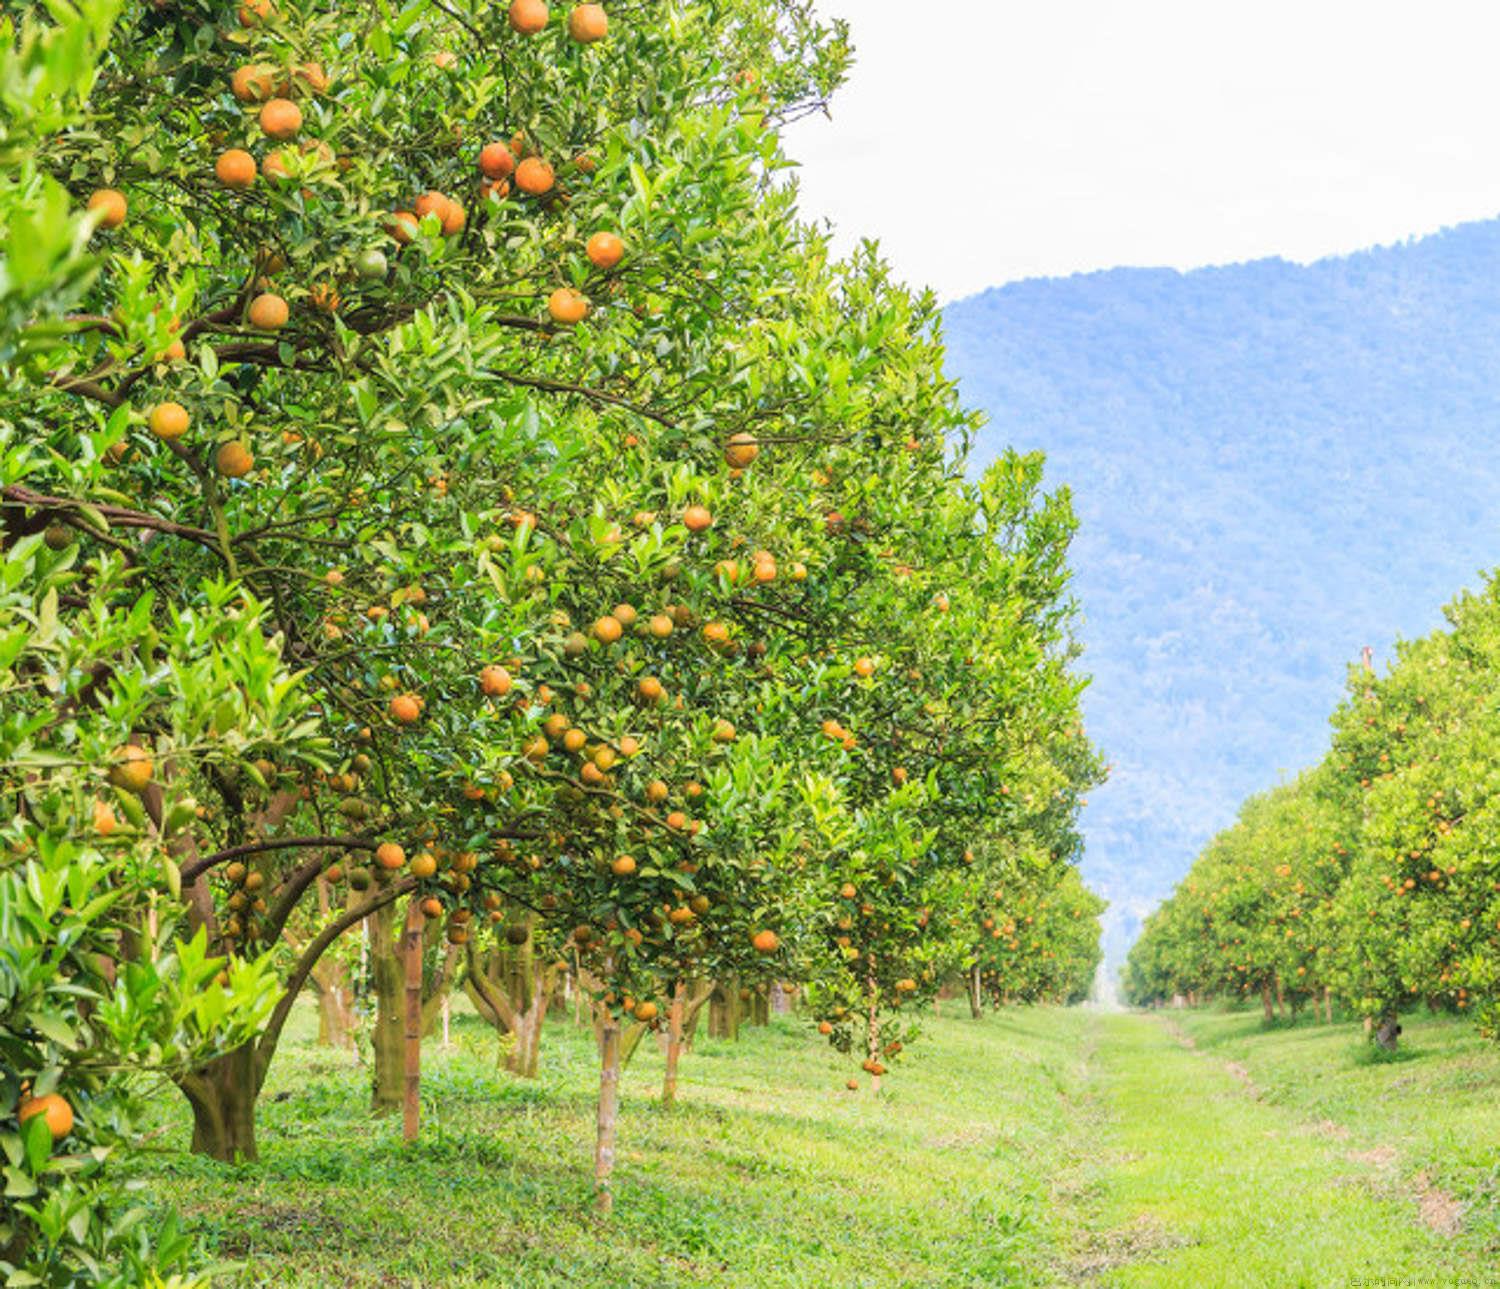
1274, 465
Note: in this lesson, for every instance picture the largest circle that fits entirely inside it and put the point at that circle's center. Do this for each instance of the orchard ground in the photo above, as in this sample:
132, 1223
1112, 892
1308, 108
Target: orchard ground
1036, 1147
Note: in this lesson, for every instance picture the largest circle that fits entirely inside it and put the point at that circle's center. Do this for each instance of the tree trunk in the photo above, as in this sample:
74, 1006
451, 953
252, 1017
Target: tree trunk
387, 1034
335, 1011
724, 1010
872, 1036
976, 997
510, 993
411, 951
222, 1095
1389, 1031
675, 1011
1280, 999
609, 1111
1265, 1001
1328, 1004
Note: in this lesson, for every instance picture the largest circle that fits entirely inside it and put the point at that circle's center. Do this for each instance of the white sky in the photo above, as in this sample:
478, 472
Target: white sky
982, 142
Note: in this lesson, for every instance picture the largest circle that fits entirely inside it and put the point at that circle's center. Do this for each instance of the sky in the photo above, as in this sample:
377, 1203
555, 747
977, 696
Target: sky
984, 142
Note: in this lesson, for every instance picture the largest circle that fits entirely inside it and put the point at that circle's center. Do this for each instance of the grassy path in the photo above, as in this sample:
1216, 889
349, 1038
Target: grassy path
1037, 1148
1200, 1178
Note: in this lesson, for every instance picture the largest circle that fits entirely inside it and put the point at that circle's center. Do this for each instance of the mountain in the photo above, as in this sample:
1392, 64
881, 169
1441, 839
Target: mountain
1274, 464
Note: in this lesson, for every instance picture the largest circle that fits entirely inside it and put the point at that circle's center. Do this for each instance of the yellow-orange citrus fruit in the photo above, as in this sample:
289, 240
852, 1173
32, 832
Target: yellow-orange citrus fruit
389, 856
765, 941
588, 23
132, 768
280, 118
697, 518
496, 161
528, 16
534, 177
605, 250
235, 169
111, 205
406, 709
252, 83
268, 311
495, 681
623, 865
54, 1107
741, 450
567, 306
169, 420
233, 460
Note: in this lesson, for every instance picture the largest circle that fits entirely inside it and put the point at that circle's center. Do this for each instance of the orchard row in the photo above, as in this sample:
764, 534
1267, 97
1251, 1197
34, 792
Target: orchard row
461, 527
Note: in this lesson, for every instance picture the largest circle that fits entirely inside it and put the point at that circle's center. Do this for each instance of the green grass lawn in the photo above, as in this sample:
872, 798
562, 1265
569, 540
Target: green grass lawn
1038, 1147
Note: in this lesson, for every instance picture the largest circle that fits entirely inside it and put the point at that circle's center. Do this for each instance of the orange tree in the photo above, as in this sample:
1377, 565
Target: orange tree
97, 991
383, 437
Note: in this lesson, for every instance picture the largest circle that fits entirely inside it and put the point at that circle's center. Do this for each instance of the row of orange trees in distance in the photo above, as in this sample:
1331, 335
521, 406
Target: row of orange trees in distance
446, 489
1371, 879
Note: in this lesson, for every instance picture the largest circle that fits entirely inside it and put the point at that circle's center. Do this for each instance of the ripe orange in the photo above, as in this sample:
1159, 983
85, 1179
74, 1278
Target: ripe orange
677, 821
623, 865
403, 226
311, 76
423, 864
898, 775
54, 1107
496, 161
825, 1027
268, 311
233, 460
534, 177
132, 768
254, 12
715, 633
104, 819
864, 667
406, 709
111, 205
567, 306
697, 518
389, 856
588, 23
608, 629
432, 907
645, 1012
528, 16
169, 420
280, 118
661, 625
574, 740
656, 791
235, 169
605, 250
765, 941
741, 450
847, 890
251, 83
324, 297
723, 732
494, 680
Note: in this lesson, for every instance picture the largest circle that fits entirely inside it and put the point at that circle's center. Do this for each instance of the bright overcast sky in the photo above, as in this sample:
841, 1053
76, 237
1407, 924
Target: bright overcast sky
986, 141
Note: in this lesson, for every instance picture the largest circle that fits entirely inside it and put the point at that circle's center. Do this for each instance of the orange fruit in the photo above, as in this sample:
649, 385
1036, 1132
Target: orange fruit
496, 161
233, 460
403, 226
268, 311
588, 23
715, 633
432, 907
312, 77
605, 250
112, 207
389, 856
54, 1107
169, 420
251, 83
864, 667
825, 1027
534, 177
254, 12
423, 864
697, 518
494, 680
623, 865
574, 740
132, 768
528, 16
765, 941
645, 1012
104, 819
723, 732
656, 791
567, 306
741, 450
661, 625
280, 118
235, 169
608, 629
406, 709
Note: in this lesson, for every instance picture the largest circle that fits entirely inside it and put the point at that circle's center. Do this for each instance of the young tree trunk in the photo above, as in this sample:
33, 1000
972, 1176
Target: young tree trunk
724, 1010
1328, 1004
872, 1035
1388, 1033
1265, 1002
609, 1111
1280, 999
411, 952
387, 1034
675, 1011
222, 1095
510, 993
976, 996
335, 1009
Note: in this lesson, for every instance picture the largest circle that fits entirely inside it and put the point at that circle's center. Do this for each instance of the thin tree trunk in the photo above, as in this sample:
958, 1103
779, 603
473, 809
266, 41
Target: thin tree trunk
872, 994
1328, 1004
976, 996
1265, 1001
222, 1095
609, 1111
387, 1043
675, 1011
447, 1018
411, 949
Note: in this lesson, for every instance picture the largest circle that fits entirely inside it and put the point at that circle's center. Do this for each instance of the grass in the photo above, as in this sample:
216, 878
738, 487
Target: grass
1039, 1147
